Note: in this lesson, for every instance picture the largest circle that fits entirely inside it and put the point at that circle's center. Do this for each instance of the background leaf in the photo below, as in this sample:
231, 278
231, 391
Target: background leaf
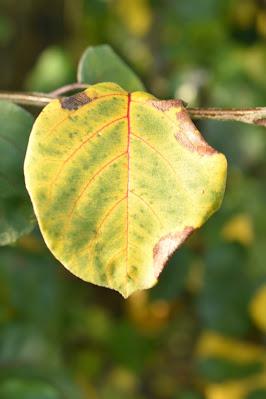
102, 64
174, 277
226, 310
15, 388
16, 214
61, 70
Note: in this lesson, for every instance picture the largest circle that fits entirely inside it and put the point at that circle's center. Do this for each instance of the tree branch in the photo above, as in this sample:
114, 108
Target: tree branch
255, 116
40, 99
67, 88
34, 99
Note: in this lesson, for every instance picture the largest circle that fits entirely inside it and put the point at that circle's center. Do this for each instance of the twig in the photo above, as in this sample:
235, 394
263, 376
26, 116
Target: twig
67, 88
40, 99
255, 116
34, 99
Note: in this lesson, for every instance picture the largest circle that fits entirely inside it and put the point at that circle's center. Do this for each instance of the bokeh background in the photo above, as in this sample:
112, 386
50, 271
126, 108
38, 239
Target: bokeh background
201, 332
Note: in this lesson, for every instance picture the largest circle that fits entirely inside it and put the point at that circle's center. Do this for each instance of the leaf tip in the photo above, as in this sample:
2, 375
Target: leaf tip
125, 291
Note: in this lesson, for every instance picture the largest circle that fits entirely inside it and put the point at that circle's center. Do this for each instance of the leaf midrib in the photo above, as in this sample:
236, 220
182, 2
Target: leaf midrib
128, 176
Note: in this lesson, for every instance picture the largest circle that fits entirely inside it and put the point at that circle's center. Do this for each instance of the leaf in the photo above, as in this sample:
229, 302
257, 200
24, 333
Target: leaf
237, 359
15, 388
257, 308
239, 229
61, 70
213, 345
216, 369
102, 64
16, 214
17, 288
225, 310
259, 393
135, 15
118, 181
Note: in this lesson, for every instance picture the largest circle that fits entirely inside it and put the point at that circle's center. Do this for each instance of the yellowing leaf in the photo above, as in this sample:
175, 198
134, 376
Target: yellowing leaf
229, 390
239, 228
258, 308
215, 345
148, 316
118, 181
238, 389
136, 15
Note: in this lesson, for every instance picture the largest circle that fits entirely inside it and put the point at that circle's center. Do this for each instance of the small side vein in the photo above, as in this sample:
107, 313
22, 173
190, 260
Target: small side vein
148, 206
156, 151
92, 178
107, 214
81, 146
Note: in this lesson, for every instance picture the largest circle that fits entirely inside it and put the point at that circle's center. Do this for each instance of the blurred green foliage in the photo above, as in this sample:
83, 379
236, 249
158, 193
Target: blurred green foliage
200, 333
102, 64
16, 217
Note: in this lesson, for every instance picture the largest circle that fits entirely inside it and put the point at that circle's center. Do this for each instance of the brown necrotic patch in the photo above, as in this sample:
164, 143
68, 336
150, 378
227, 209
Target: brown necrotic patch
165, 105
165, 248
75, 102
189, 136
187, 133
261, 122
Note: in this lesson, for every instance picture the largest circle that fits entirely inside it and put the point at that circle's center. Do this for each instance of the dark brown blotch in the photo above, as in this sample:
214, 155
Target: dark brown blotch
75, 102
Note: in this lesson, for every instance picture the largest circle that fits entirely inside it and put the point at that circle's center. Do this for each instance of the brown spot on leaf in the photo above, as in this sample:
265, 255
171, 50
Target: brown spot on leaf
165, 105
189, 136
75, 102
261, 122
166, 247
187, 133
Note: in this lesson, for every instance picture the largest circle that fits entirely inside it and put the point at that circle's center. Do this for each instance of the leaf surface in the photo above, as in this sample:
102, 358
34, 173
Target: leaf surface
102, 64
118, 181
16, 213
